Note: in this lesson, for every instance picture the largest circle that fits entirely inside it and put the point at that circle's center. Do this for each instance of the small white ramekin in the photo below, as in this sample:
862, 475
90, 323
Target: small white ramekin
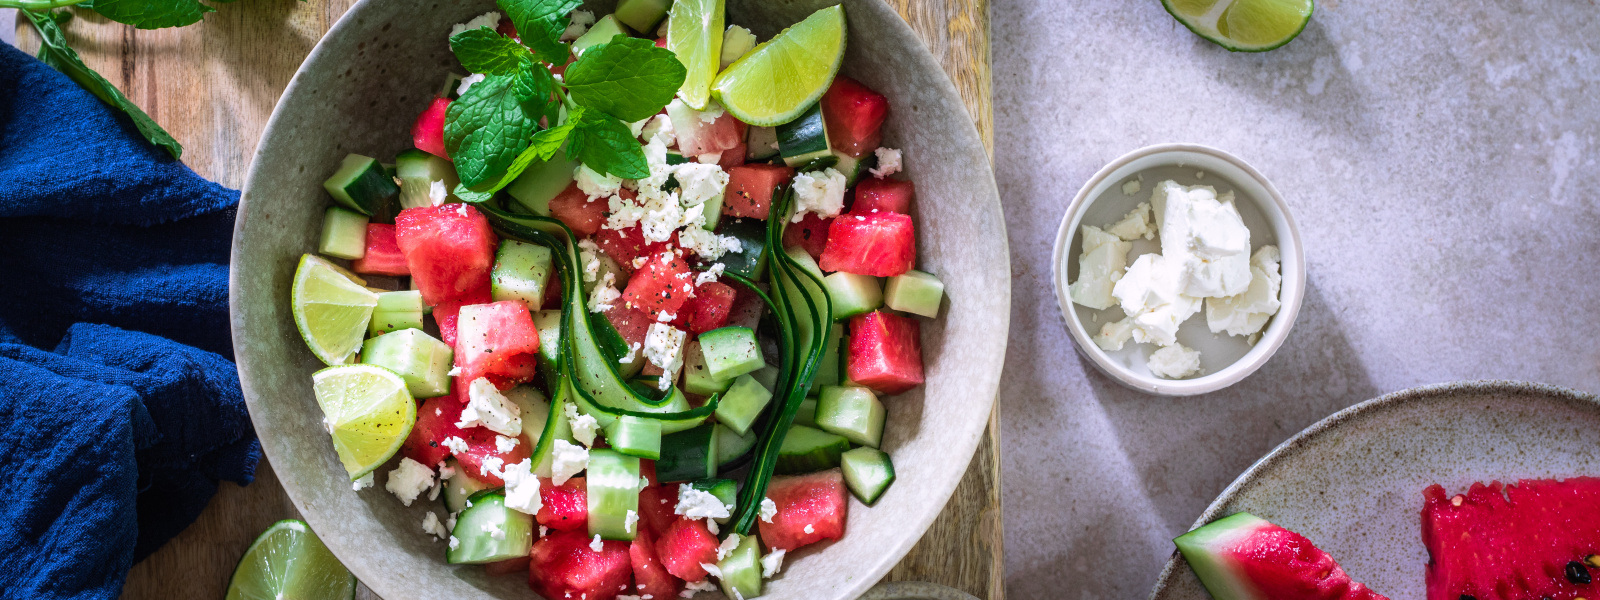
1250, 186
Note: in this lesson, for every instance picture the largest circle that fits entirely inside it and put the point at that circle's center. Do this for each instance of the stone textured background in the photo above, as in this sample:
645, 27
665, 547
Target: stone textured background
1440, 158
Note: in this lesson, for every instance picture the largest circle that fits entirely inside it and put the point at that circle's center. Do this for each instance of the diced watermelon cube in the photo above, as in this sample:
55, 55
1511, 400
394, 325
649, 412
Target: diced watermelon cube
647, 470
734, 156
854, 116
884, 195
684, 546
507, 566
562, 566
708, 309
815, 500
749, 191
574, 208
696, 137
657, 507
663, 284
880, 244
625, 245
747, 309
428, 133
481, 446
445, 314
436, 420
649, 577
496, 340
810, 233
449, 250
885, 352
383, 255
566, 506
633, 325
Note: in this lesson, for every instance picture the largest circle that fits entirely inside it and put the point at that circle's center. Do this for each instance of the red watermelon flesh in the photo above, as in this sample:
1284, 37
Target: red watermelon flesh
747, 309
1530, 540
428, 133
810, 233
481, 446
496, 340
1242, 557
749, 191
854, 116
562, 565
884, 195
447, 313
436, 420
632, 325
880, 244
566, 506
506, 28
449, 250
626, 245
696, 137
383, 256
649, 576
663, 284
734, 156
708, 309
657, 507
885, 352
684, 546
583, 215
815, 500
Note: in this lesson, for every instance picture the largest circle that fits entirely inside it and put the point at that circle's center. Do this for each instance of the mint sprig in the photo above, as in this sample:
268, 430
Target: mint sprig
627, 78
540, 24
483, 50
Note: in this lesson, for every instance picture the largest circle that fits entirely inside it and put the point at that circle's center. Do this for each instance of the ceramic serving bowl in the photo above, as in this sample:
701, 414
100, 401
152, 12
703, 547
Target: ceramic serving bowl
360, 90
1224, 359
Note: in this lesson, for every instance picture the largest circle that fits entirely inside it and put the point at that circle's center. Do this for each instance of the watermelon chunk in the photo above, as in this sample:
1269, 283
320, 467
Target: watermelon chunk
708, 309
436, 420
449, 250
481, 446
649, 576
583, 215
506, 28
633, 325
428, 133
663, 284
684, 546
854, 115
884, 195
496, 340
880, 244
566, 506
734, 156
885, 352
446, 313
383, 255
657, 506
625, 245
1242, 557
1535, 539
815, 501
810, 233
749, 191
562, 565
696, 137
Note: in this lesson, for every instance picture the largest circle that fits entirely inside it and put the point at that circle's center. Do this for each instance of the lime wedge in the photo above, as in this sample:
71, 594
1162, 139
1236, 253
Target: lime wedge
288, 561
331, 308
1243, 25
369, 412
779, 79
694, 33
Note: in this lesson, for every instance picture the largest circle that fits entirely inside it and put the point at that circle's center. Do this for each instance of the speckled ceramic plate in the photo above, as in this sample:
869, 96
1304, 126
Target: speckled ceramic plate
1353, 482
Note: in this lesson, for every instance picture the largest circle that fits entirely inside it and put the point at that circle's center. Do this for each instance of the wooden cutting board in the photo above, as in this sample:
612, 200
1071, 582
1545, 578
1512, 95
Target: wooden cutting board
213, 86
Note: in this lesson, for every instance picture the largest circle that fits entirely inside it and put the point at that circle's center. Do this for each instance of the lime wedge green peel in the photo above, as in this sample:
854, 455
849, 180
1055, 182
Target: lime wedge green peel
368, 411
1243, 25
779, 79
288, 561
694, 33
331, 308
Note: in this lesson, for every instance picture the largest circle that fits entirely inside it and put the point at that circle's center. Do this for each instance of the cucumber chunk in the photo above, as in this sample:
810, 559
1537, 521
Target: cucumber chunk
768, 376
613, 493
696, 378
361, 185
761, 143
751, 259
853, 294
599, 33
803, 258
548, 322
808, 450
688, 455
418, 170
732, 446
726, 491
542, 182
521, 272
867, 472
807, 413
713, 212
803, 141
534, 409
853, 412
422, 361
642, 15
489, 532
396, 311
635, 436
828, 371
344, 234
854, 168
741, 569
914, 292
730, 352
460, 486
742, 404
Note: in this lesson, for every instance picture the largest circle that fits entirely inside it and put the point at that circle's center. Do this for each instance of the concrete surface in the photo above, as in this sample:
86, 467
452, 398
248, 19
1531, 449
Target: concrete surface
1441, 161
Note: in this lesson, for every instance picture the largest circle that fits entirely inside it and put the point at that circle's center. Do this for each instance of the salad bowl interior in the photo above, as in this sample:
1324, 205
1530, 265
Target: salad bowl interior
359, 92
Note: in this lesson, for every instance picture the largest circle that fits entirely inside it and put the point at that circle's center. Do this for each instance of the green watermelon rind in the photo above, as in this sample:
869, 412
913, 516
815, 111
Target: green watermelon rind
1205, 549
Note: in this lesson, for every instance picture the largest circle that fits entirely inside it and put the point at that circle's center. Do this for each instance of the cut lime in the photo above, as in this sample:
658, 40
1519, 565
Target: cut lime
288, 561
1243, 25
778, 80
694, 33
331, 308
368, 411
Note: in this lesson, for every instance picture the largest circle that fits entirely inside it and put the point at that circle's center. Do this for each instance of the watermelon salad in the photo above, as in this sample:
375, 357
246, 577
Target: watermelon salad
649, 344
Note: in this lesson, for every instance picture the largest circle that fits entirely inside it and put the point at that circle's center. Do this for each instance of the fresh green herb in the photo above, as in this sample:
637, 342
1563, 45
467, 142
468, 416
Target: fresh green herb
486, 129
483, 50
627, 78
606, 145
540, 24
153, 14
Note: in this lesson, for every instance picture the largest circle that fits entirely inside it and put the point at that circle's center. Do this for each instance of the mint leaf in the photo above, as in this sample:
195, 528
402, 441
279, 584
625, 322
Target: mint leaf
153, 14
483, 50
472, 197
486, 129
544, 145
535, 87
607, 145
627, 78
540, 24
54, 51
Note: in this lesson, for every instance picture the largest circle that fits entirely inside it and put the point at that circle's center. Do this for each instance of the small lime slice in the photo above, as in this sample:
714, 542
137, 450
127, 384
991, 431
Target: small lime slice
288, 561
777, 81
694, 33
1243, 25
368, 411
331, 308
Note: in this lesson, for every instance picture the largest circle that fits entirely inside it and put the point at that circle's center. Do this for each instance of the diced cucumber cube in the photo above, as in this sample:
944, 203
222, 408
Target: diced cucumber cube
743, 403
423, 362
521, 271
751, 259
853, 412
854, 168
768, 376
401, 301
725, 490
853, 294
460, 486
807, 413
808, 450
542, 182
599, 33
418, 170
761, 143
828, 371
489, 532
548, 322
803, 258
867, 472
688, 455
642, 15
713, 212
914, 292
731, 446
613, 492
741, 569
396, 311
534, 409
675, 158
344, 234
730, 352
361, 185
805, 139
696, 378
635, 436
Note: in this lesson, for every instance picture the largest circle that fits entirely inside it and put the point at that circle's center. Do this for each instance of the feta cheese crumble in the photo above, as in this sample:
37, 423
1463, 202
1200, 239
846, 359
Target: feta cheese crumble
769, 509
810, 529
1246, 313
693, 587
659, 127
1149, 294
712, 570
888, 162
522, 487
566, 460
1100, 267
579, 24
1131, 187
597, 545
699, 504
1205, 237
490, 409
461, 90
584, 427
709, 275
772, 563
819, 193
492, 466
1174, 362
728, 546
699, 183
1136, 224
437, 193
489, 19
364, 482
1113, 335
503, 444
432, 526
454, 543
630, 521
594, 184
663, 347
409, 480
455, 444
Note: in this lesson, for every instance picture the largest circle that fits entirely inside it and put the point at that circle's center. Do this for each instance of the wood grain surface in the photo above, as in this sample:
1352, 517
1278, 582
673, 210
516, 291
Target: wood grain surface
213, 85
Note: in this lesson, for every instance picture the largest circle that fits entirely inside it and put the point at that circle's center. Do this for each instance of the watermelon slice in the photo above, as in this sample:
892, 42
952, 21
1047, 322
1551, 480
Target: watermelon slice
632, 325
854, 115
480, 447
810, 233
684, 546
663, 284
383, 255
656, 508
436, 420
496, 340
884, 195
428, 133
1535, 539
749, 191
562, 565
583, 215
708, 309
625, 245
566, 506
696, 137
649, 577
1243, 557
449, 250
885, 352
880, 244
811, 508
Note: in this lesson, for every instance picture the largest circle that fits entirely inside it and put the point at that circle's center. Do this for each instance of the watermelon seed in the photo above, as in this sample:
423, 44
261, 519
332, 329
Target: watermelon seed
1468, 597
1577, 573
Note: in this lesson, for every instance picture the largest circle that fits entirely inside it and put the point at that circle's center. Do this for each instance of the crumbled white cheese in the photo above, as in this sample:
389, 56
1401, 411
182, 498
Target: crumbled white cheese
503, 444
711, 526
461, 90
736, 41
699, 504
364, 482
445, 471
604, 293
707, 244
1174, 362
693, 587
630, 521
594, 184
1100, 267
709, 275
437, 193
489, 19
455, 444
772, 563
712, 112
454, 372
810, 529
663, 347
409, 480
769, 509
491, 466
1131, 187
1247, 313
1205, 238
581, 20
1114, 334
595, 544
712, 570
566, 460
522, 487
888, 162
454, 543
432, 526
698, 183
728, 546
490, 409
819, 193
584, 427
659, 127
1149, 294
1136, 224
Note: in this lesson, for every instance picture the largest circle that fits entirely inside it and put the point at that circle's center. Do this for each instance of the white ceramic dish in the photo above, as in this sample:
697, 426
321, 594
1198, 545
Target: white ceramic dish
1224, 359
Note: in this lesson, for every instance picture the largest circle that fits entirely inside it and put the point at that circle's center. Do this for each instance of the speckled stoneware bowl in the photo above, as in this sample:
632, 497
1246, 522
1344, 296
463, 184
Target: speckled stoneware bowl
360, 90
1353, 482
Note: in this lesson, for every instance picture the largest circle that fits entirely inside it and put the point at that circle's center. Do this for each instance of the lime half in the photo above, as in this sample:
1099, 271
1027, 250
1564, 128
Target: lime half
368, 411
1243, 25
694, 33
331, 308
779, 79
288, 561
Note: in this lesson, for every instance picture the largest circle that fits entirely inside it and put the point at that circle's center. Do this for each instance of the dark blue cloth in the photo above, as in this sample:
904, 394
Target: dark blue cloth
120, 408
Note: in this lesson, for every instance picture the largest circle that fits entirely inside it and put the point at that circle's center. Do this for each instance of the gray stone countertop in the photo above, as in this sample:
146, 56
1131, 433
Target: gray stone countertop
1440, 158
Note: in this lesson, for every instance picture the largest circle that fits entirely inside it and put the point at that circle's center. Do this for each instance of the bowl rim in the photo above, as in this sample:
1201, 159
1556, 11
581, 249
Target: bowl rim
1272, 338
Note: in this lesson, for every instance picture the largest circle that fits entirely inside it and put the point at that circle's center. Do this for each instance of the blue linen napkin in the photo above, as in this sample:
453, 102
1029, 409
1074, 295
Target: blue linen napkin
120, 408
